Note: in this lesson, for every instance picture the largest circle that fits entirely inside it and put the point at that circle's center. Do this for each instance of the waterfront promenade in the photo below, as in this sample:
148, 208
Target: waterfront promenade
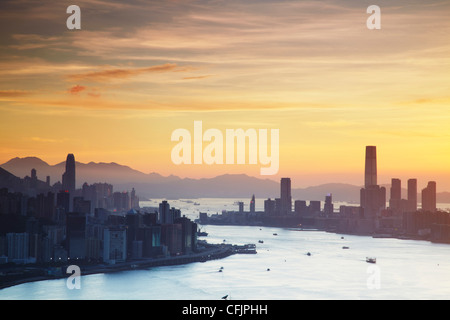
24, 274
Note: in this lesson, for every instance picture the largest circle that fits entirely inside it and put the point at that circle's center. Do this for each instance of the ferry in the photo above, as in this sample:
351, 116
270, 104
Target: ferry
371, 260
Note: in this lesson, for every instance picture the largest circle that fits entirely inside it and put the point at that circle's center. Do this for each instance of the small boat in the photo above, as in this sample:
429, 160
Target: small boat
308, 254
345, 247
260, 241
371, 260
275, 234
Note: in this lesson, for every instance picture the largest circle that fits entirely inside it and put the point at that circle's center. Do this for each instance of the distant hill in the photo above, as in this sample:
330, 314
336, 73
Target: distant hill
154, 185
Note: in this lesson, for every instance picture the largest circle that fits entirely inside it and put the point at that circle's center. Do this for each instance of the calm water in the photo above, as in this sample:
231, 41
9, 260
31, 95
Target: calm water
407, 270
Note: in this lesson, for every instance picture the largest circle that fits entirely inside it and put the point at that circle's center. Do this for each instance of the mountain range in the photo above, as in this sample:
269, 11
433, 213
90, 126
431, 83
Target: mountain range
154, 185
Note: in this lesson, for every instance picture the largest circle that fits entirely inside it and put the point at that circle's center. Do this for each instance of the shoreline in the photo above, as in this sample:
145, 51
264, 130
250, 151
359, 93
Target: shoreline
212, 252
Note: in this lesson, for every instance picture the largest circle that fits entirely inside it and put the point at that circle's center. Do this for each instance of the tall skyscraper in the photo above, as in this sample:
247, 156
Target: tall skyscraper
372, 196
285, 196
371, 166
396, 194
412, 195
252, 204
328, 207
164, 212
68, 178
429, 197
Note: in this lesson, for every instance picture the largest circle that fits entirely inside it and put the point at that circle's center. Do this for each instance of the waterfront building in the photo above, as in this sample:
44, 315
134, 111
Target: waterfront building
429, 197
285, 196
114, 245
328, 206
18, 247
412, 195
76, 235
300, 207
252, 204
372, 196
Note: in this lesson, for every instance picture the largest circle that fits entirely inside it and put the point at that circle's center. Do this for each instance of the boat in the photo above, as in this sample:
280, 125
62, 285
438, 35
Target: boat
344, 247
275, 234
308, 254
260, 241
371, 260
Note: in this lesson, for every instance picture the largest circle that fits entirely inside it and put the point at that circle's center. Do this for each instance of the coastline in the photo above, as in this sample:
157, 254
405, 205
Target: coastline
211, 252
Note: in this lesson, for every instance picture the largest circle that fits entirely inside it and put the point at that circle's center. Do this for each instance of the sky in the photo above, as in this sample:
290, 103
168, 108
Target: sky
115, 90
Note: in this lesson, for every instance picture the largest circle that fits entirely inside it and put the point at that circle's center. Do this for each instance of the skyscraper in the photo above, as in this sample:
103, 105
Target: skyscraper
252, 204
285, 196
68, 178
412, 195
396, 194
371, 166
164, 212
328, 207
429, 197
372, 196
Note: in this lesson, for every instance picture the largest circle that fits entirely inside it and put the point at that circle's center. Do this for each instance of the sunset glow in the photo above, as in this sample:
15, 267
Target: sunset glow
115, 90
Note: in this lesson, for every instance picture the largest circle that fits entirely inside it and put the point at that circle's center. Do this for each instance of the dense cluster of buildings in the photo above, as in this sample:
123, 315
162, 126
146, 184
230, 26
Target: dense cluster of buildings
91, 224
375, 215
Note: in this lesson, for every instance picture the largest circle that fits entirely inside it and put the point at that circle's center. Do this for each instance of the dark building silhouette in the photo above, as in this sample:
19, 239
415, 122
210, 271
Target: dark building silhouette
285, 196
121, 201
429, 197
412, 195
328, 208
269, 207
373, 197
76, 235
370, 173
164, 212
81, 205
68, 178
252, 204
300, 207
396, 194
63, 200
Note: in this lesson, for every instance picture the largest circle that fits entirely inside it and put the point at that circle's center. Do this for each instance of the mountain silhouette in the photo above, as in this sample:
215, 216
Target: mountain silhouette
154, 185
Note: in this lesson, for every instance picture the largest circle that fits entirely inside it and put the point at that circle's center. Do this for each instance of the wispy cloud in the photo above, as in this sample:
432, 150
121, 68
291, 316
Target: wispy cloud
123, 73
76, 89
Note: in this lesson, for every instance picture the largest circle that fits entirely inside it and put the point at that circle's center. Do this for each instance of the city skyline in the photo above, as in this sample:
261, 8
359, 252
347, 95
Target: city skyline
116, 89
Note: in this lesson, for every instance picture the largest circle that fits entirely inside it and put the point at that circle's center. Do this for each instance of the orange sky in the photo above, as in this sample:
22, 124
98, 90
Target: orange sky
115, 90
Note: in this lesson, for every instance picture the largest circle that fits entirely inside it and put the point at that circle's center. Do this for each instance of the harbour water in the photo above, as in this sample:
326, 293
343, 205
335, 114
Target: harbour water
281, 270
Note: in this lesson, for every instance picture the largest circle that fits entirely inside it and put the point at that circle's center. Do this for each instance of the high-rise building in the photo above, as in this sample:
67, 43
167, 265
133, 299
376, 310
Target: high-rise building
412, 195
285, 196
68, 178
164, 212
328, 208
371, 166
429, 197
18, 247
372, 196
252, 204
115, 245
300, 207
269, 207
76, 235
396, 194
